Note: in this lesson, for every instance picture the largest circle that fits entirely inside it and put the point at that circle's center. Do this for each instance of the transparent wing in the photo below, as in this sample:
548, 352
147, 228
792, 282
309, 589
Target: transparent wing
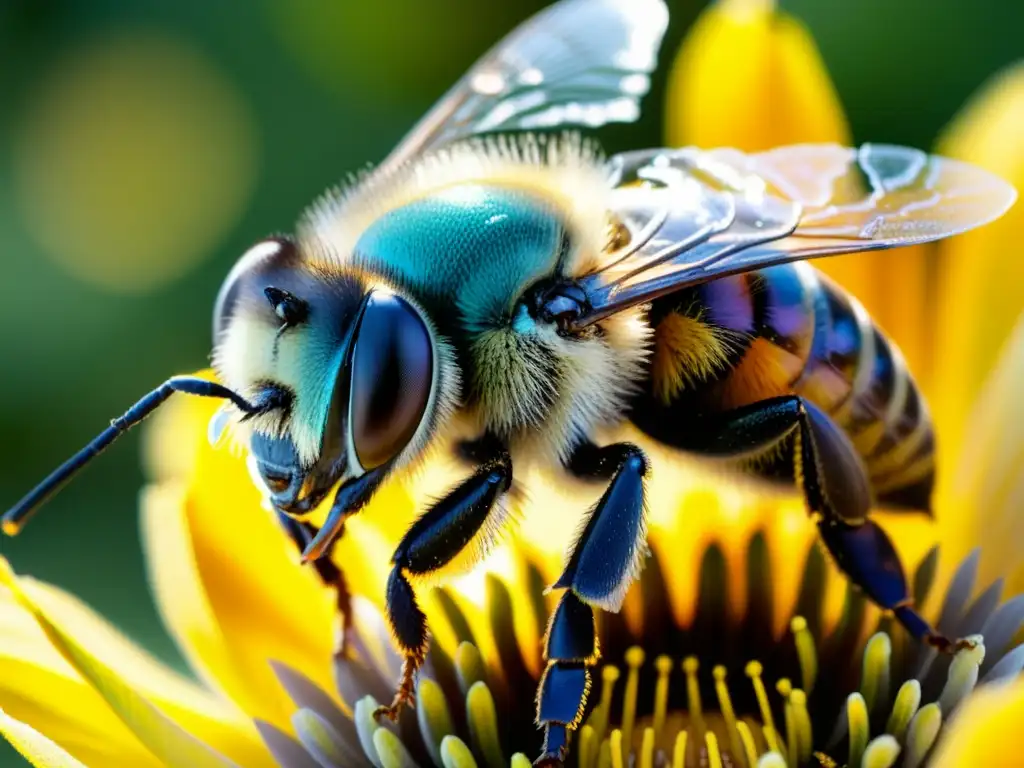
578, 62
783, 205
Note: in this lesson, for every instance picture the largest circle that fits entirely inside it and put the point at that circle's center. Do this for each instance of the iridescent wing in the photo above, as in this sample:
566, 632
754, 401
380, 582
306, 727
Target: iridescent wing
579, 62
689, 216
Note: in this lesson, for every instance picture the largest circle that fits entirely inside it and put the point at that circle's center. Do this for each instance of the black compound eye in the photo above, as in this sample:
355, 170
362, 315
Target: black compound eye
392, 375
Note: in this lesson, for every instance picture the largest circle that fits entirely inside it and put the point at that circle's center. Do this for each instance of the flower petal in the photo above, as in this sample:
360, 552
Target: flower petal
35, 747
164, 738
227, 585
979, 297
986, 729
38, 686
210, 719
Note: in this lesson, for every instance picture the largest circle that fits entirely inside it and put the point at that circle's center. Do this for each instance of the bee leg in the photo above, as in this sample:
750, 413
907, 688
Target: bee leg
603, 564
330, 574
837, 491
432, 542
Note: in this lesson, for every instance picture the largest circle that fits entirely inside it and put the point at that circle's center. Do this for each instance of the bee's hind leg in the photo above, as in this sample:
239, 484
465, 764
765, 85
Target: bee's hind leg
431, 543
302, 533
604, 562
836, 489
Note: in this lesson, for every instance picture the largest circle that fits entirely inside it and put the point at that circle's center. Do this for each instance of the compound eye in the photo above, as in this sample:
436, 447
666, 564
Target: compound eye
264, 258
392, 375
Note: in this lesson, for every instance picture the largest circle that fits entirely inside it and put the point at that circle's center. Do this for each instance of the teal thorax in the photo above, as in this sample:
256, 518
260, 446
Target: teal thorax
466, 252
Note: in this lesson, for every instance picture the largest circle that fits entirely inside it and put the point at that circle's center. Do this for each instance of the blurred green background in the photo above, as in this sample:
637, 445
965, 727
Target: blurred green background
144, 145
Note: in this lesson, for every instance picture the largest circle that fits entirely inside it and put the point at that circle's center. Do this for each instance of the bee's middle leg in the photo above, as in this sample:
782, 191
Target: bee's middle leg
432, 542
302, 533
604, 562
835, 487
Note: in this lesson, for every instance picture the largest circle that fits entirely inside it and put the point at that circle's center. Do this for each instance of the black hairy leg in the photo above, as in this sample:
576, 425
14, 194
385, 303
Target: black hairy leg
302, 533
432, 542
835, 487
600, 569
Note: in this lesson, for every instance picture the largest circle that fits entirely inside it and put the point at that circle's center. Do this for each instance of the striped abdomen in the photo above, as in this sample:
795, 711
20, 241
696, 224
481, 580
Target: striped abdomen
789, 330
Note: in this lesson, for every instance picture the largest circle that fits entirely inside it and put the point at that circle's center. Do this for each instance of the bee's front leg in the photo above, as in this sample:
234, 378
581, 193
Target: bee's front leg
302, 533
432, 542
604, 562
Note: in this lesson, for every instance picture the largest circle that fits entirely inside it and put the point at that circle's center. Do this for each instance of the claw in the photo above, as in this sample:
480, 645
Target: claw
945, 645
406, 693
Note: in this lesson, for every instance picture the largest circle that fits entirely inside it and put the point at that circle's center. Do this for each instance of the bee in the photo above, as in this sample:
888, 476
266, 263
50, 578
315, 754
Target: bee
510, 296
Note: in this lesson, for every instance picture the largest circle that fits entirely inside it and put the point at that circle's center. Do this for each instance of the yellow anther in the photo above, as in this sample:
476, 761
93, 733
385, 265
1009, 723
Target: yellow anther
618, 759
784, 687
874, 683
747, 740
725, 705
647, 749
792, 741
802, 721
604, 756
857, 725
690, 667
714, 756
921, 734
586, 750
806, 651
679, 751
908, 699
754, 670
634, 659
663, 665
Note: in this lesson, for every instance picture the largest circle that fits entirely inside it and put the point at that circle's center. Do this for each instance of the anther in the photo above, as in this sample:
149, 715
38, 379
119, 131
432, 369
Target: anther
663, 666
618, 758
908, 699
679, 750
753, 671
963, 674
747, 740
921, 735
725, 705
634, 660
647, 749
857, 725
714, 756
803, 728
690, 666
806, 651
874, 684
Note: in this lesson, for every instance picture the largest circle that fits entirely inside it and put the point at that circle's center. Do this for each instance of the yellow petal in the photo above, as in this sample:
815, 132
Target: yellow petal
988, 485
35, 747
164, 738
38, 686
985, 731
982, 272
226, 579
213, 721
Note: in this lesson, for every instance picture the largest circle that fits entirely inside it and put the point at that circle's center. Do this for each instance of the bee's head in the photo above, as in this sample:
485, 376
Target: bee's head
356, 367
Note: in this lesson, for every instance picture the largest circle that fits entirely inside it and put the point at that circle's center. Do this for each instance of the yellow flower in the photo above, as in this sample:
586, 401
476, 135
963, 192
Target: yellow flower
739, 643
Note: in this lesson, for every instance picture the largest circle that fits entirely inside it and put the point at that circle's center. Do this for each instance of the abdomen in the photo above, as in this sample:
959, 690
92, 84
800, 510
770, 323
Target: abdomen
789, 330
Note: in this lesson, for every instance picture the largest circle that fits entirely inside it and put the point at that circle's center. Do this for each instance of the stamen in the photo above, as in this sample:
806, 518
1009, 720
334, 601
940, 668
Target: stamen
857, 723
908, 699
469, 666
725, 705
390, 750
634, 660
881, 752
771, 760
921, 734
690, 667
784, 687
618, 759
663, 665
455, 753
747, 739
804, 730
605, 758
519, 760
771, 738
963, 674
432, 715
588, 746
754, 670
602, 712
714, 756
874, 683
806, 651
483, 724
647, 749
366, 724
320, 738
679, 750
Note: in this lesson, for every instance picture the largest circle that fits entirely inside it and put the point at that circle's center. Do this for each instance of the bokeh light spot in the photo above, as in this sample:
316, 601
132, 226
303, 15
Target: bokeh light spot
133, 160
